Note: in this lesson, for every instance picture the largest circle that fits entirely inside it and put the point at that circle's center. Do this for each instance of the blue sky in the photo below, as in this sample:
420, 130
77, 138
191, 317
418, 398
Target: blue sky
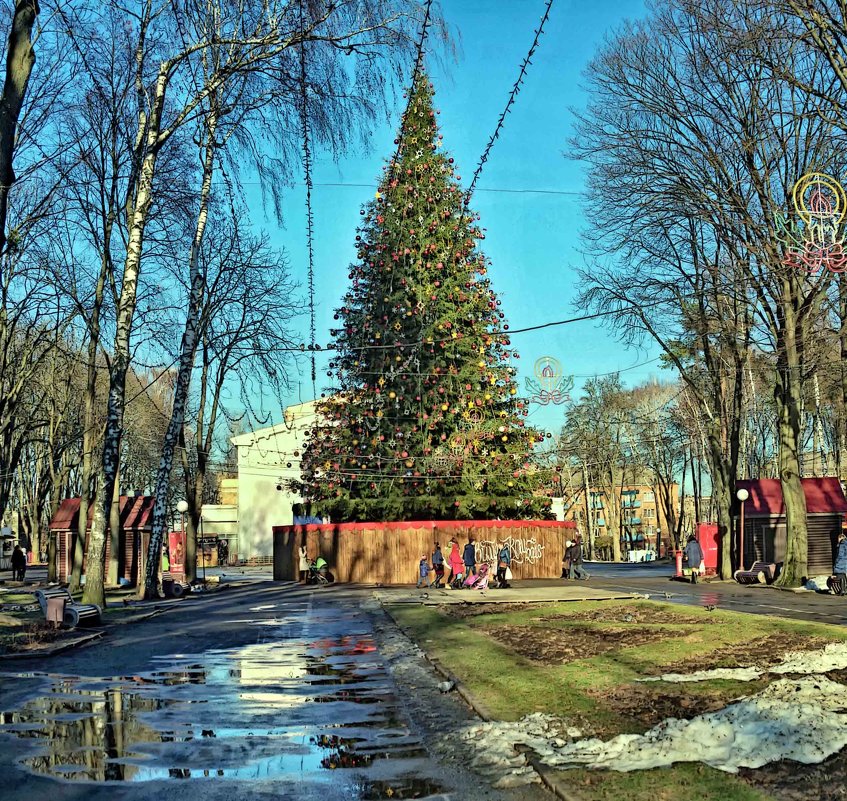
532, 236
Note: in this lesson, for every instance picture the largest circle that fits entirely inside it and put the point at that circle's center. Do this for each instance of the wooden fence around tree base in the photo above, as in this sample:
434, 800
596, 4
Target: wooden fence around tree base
389, 553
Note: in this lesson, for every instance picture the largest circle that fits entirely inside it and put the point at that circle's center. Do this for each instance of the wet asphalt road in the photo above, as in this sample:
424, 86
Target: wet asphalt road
258, 691
655, 580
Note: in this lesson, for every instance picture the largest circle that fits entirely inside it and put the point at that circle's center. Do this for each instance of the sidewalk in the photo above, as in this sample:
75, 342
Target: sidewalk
531, 594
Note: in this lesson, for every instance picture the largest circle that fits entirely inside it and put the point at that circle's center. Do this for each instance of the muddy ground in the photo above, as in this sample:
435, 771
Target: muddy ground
792, 781
759, 652
645, 707
461, 611
555, 646
632, 613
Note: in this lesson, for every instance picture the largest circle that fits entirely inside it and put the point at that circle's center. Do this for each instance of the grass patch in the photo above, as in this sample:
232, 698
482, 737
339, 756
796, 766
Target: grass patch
581, 661
17, 598
685, 781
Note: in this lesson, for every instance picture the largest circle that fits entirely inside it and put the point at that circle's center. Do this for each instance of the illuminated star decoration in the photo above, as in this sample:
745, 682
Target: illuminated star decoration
550, 385
820, 203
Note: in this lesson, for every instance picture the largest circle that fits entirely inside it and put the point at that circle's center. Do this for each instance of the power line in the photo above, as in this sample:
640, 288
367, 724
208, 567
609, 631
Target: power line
516, 88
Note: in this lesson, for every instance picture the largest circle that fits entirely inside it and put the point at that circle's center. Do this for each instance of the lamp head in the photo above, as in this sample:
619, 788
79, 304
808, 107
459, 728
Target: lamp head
742, 495
182, 507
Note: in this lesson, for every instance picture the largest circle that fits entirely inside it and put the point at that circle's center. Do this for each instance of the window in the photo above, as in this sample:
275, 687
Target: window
650, 496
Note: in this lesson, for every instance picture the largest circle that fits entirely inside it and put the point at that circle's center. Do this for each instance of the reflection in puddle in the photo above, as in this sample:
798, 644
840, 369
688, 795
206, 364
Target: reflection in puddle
404, 788
297, 707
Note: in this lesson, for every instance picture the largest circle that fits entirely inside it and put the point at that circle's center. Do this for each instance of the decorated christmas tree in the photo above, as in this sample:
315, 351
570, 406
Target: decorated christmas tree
424, 420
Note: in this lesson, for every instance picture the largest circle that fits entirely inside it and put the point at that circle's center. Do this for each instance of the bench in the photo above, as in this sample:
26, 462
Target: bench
174, 586
759, 573
74, 614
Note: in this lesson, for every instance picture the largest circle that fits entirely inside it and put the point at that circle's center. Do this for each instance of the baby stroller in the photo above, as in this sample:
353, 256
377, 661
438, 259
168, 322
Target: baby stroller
482, 577
319, 573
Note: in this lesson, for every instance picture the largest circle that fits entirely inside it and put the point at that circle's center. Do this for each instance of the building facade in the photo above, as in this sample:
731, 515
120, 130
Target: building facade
643, 522
268, 459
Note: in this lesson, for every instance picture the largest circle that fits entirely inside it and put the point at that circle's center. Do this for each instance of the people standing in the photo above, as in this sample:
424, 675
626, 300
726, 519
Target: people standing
469, 557
304, 563
576, 560
18, 564
840, 568
455, 562
223, 552
566, 560
694, 557
423, 572
504, 563
437, 567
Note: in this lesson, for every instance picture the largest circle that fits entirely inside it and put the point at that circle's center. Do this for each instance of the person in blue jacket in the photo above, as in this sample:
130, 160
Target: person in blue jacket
840, 568
504, 562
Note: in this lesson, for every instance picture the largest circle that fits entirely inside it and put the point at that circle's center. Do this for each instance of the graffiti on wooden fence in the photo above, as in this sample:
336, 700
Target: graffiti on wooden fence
523, 551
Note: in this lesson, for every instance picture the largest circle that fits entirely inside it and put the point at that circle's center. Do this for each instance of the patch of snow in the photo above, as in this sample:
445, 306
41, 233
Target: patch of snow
796, 719
832, 657
736, 674
492, 746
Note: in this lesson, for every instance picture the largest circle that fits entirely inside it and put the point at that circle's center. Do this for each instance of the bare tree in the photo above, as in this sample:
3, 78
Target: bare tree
597, 439
305, 81
245, 350
694, 180
170, 42
20, 59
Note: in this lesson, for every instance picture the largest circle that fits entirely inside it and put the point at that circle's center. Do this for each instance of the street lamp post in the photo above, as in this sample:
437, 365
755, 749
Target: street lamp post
742, 496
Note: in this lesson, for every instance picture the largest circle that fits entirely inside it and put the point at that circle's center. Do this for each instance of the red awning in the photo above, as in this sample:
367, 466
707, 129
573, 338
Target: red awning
136, 513
823, 496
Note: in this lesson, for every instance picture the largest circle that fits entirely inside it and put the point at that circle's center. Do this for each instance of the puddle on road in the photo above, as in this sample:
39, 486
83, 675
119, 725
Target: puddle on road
296, 708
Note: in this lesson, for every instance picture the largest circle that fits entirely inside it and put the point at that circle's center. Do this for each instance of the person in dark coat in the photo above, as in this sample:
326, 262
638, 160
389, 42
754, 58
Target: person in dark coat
18, 564
694, 557
566, 560
437, 567
576, 560
469, 557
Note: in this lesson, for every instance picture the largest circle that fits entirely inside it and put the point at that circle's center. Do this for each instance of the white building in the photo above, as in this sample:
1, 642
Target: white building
267, 460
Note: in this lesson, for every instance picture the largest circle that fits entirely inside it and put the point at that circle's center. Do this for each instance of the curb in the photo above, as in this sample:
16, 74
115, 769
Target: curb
460, 688
545, 774
139, 618
531, 757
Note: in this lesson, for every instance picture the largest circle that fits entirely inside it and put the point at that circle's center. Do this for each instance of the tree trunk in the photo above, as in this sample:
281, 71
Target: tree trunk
613, 509
139, 208
186, 359
190, 527
680, 521
88, 433
795, 567
589, 519
115, 533
842, 417
789, 398
20, 59
723, 491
